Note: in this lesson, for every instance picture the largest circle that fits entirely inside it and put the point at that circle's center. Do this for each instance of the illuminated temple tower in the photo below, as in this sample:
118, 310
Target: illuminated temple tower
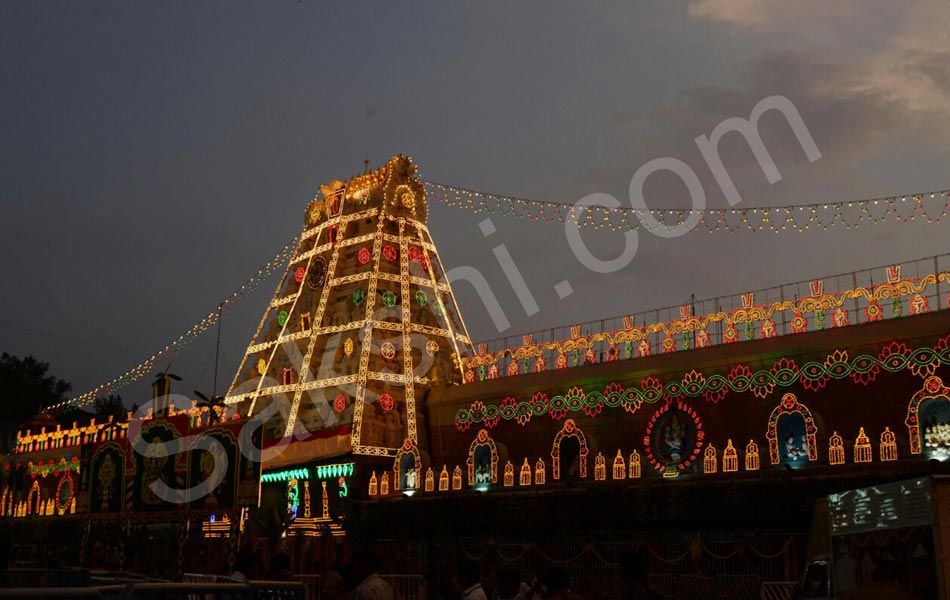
361, 325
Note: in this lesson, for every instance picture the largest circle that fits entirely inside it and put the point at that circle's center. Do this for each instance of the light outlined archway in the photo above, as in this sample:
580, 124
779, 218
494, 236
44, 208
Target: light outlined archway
933, 389
408, 448
482, 439
791, 406
569, 430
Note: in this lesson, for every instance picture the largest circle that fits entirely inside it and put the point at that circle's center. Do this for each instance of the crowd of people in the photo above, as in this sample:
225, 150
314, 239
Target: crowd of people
359, 579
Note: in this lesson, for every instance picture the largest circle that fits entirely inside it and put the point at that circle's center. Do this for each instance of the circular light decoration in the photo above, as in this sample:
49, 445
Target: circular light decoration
339, 403
299, 274
282, 318
674, 438
364, 255
386, 401
432, 347
389, 253
64, 493
421, 298
318, 273
389, 298
388, 350
348, 346
405, 196
261, 366
358, 297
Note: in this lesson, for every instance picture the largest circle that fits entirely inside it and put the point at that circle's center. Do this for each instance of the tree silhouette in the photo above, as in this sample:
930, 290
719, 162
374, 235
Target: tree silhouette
212, 404
26, 388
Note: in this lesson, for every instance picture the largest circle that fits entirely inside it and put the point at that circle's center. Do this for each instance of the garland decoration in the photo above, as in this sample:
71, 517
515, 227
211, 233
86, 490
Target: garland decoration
929, 207
185, 339
784, 373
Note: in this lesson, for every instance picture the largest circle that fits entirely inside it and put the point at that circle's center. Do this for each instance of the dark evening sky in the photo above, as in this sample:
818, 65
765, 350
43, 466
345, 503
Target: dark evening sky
153, 155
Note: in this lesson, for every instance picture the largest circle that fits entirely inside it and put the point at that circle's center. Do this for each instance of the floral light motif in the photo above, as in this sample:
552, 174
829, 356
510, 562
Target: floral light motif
812, 376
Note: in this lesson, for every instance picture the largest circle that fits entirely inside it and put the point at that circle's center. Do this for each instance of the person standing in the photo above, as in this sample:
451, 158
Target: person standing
366, 571
470, 581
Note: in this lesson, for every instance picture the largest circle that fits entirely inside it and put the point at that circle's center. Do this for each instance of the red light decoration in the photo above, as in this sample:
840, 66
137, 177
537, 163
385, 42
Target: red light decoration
933, 389
299, 274
482, 440
789, 406
813, 375
339, 403
386, 401
684, 463
364, 256
570, 429
389, 253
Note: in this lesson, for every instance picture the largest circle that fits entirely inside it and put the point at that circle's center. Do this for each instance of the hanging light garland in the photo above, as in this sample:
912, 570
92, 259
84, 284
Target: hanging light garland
849, 214
181, 342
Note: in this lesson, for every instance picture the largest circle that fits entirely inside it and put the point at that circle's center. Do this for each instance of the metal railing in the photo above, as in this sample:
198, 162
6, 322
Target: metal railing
896, 287
405, 587
777, 590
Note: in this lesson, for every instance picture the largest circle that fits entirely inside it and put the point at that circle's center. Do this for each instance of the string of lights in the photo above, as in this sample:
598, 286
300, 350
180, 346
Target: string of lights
182, 341
928, 207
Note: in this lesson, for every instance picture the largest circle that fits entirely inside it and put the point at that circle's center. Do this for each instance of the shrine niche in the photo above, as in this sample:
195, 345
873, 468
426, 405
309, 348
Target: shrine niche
569, 453
155, 456
928, 419
210, 490
791, 433
674, 437
107, 485
482, 460
407, 467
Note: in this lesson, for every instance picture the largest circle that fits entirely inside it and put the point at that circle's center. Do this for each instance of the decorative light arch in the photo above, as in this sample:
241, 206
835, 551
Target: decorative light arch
408, 447
933, 389
789, 406
570, 429
33, 506
482, 439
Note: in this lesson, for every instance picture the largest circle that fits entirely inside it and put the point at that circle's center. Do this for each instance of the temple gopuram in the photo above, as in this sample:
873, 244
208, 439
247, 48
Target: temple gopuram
721, 437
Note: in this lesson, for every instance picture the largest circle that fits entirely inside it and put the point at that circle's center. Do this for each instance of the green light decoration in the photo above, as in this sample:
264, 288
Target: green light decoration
282, 318
286, 475
421, 298
335, 471
813, 376
358, 297
389, 298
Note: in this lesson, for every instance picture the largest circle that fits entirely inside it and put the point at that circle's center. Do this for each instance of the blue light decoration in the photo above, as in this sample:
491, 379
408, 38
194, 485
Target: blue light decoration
211, 518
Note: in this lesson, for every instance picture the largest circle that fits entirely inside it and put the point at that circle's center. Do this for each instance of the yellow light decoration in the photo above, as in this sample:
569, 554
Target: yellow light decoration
620, 466
539, 472
888, 445
752, 456
430, 480
525, 478
509, 479
862, 448
384, 484
600, 467
444, 479
457, 478
710, 460
634, 470
730, 459
835, 449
